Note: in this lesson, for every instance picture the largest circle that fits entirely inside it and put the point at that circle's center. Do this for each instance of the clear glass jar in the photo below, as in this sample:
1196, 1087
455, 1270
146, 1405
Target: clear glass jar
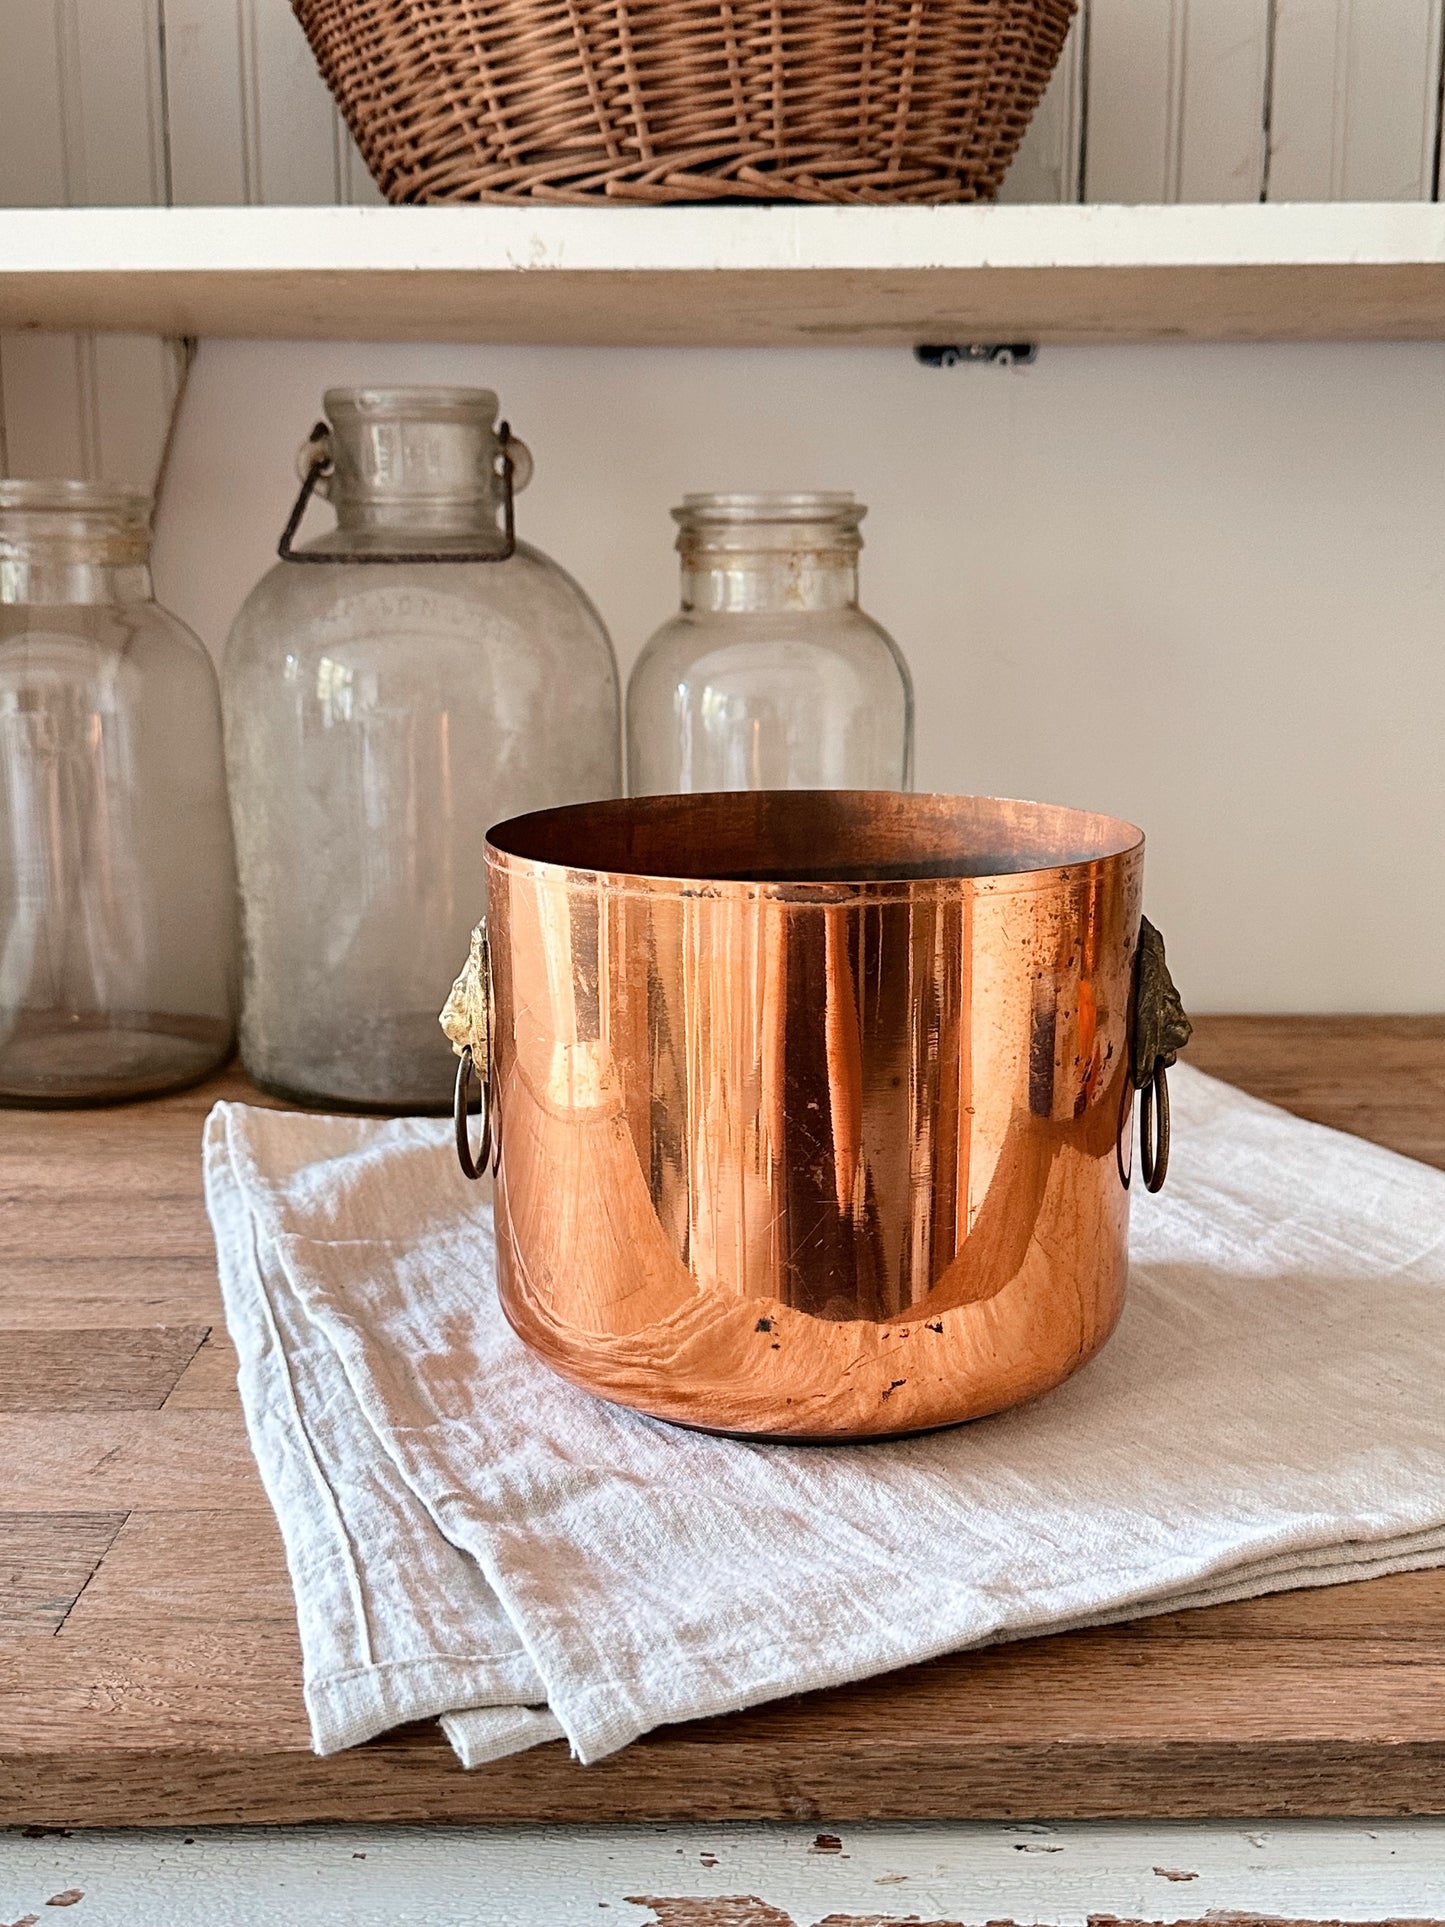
770, 676
117, 888
379, 717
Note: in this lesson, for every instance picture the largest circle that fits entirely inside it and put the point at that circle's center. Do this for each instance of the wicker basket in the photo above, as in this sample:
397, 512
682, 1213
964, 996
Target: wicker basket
687, 100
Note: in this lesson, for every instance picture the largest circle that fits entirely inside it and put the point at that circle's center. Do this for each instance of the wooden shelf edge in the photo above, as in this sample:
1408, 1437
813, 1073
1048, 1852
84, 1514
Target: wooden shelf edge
733, 276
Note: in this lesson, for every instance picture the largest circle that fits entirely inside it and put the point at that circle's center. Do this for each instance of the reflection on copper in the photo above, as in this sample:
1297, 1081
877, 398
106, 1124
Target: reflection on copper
807, 1102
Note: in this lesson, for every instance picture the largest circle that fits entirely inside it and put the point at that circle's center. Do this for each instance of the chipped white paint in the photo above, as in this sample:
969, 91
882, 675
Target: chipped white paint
556, 1877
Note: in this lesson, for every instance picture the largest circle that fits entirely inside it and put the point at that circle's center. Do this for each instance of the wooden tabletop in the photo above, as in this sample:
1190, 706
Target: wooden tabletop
149, 1668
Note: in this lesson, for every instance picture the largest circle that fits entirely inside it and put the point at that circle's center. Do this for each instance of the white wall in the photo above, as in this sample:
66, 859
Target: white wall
1196, 585
1199, 586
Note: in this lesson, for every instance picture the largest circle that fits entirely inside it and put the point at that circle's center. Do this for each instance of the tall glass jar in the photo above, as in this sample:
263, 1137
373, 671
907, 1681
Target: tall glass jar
384, 706
117, 889
770, 676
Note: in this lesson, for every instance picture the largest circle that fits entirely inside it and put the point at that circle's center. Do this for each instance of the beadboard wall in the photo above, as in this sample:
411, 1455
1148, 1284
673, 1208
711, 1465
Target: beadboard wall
1197, 585
218, 102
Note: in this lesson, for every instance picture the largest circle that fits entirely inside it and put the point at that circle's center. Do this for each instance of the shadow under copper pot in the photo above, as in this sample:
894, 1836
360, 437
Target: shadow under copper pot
812, 1110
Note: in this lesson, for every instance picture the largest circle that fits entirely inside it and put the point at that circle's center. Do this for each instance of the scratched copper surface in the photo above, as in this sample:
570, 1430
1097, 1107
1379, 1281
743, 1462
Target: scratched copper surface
813, 1108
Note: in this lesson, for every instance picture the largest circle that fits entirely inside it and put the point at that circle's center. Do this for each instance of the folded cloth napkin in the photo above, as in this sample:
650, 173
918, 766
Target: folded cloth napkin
470, 1537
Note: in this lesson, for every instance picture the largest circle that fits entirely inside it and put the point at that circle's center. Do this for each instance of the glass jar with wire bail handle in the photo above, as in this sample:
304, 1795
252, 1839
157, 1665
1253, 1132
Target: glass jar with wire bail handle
424, 676
117, 885
770, 676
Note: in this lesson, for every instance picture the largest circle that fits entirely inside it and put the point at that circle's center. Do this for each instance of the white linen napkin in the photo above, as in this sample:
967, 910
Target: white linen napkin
469, 1536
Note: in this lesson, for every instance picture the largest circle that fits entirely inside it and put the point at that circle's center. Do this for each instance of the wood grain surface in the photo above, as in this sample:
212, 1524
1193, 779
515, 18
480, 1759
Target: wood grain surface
149, 1669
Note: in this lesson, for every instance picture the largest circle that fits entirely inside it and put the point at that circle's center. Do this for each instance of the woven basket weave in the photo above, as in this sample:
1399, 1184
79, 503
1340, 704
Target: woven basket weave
687, 100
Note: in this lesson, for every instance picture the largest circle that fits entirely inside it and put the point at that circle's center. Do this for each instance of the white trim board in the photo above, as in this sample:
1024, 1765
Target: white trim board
749, 275
732, 1876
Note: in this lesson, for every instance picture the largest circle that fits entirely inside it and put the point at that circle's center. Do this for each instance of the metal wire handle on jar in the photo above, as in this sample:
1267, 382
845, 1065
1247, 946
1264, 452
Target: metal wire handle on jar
467, 1021
317, 466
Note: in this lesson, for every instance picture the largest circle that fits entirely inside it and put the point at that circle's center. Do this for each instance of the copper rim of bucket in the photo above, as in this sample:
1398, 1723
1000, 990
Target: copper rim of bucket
900, 844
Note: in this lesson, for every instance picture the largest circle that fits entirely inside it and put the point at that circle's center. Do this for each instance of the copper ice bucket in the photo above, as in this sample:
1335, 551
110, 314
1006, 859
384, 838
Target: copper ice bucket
810, 1113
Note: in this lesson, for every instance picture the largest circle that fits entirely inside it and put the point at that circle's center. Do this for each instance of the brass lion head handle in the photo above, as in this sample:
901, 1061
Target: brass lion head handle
467, 1021
1161, 1030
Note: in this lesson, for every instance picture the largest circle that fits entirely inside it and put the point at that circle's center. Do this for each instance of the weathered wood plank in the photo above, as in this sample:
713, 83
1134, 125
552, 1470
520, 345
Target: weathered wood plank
48, 1223
412, 1776
222, 1564
728, 276
1380, 1077
968, 1734
163, 1461
210, 1567
46, 1559
208, 1382
60, 1290
131, 1369
1408, 1605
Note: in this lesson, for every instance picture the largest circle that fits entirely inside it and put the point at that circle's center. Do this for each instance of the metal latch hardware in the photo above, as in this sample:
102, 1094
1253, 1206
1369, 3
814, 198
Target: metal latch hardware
993, 354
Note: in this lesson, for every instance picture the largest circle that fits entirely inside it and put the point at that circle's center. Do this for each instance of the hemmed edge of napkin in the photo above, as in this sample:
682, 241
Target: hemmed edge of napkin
1303, 1572
1309, 1569
480, 1734
348, 1707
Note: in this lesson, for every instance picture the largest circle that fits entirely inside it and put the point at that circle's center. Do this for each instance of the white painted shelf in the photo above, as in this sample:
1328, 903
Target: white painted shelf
744, 275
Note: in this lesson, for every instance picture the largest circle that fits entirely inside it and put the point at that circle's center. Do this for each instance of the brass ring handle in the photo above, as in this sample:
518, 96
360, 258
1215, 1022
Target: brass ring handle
472, 1167
1154, 1130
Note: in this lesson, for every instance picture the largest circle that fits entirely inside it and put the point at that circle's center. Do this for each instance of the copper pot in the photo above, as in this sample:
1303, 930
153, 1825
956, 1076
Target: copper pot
810, 1111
